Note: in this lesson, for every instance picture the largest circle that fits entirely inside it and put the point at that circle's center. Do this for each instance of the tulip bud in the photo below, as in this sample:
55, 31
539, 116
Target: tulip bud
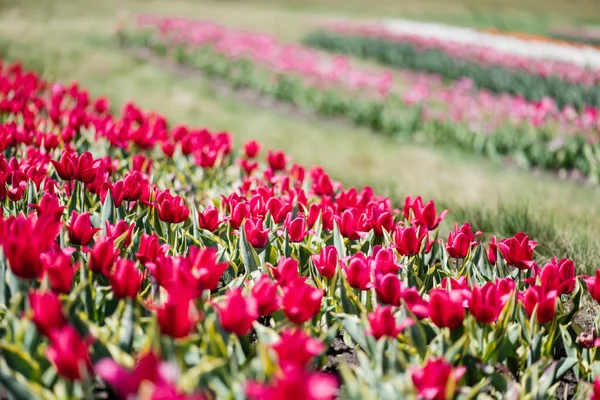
327, 261
126, 279
239, 313
295, 348
255, 233
209, 219
80, 229
102, 256
69, 353
383, 323
47, 312
437, 379
301, 301
265, 293
358, 272
446, 308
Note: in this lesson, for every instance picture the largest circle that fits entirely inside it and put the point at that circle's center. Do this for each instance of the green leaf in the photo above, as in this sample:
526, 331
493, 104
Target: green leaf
16, 390
338, 240
354, 327
108, 212
248, 254
20, 361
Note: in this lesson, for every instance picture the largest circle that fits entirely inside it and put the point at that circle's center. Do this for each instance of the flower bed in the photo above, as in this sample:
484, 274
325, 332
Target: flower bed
498, 72
140, 258
533, 134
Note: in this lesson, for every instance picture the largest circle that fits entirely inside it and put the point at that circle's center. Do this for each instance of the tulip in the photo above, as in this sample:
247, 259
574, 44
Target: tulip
265, 293
386, 261
125, 384
437, 380
255, 233
426, 215
74, 167
415, 302
209, 219
251, 149
121, 228
47, 312
596, 393
559, 276
493, 250
383, 323
239, 213
150, 249
286, 271
537, 297
376, 220
460, 241
485, 303
518, 251
348, 224
296, 229
593, 284
301, 301
326, 261
171, 209
295, 348
80, 229
459, 284
69, 353
295, 384
322, 185
239, 313
49, 206
276, 160
176, 316
388, 288
59, 269
102, 256
205, 269
408, 240
446, 308
101, 105
24, 240
358, 272
125, 279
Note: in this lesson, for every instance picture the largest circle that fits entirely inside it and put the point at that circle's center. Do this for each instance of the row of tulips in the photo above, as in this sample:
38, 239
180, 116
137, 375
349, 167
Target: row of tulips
427, 111
567, 84
146, 260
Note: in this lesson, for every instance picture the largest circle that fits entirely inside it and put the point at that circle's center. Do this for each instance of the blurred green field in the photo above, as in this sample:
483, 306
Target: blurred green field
73, 40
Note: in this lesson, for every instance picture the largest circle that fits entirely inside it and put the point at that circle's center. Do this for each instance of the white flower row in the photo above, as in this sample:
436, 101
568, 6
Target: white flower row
581, 55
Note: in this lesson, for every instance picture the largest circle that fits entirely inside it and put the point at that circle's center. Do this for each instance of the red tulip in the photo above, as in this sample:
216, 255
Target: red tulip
408, 240
459, 284
376, 220
24, 240
150, 249
461, 240
80, 229
265, 293
209, 219
176, 317
295, 384
101, 105
386, 261
119, 229
301, 301
125, 279
171, 209
348, 224
74, 167
559, 276
204, 267
493, 250
239, 313
59, 269
358, 272
383, 323
47, 312
296, 229
49, 206
102, 256
388, 288
486, 304
426, 216
415, 302
286, 271
124, 383
251, 149
596, 394
446, 308
239, 213
593, 284
276, 160
518, 251
295, 348
69, 353
537, 297
437, 380
327, 261
255, 233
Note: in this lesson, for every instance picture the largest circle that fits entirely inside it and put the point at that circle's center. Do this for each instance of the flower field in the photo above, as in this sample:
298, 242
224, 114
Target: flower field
537, 134
142, 258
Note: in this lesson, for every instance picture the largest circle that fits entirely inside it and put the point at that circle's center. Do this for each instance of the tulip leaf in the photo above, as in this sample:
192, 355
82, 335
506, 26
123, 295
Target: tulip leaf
108, 212
338, 240
127, 327
3, 286
248, 254
20, 361
16, 390
354, 327
189, 381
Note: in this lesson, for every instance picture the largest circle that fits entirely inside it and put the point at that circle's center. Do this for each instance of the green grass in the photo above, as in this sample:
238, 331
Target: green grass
72, 40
